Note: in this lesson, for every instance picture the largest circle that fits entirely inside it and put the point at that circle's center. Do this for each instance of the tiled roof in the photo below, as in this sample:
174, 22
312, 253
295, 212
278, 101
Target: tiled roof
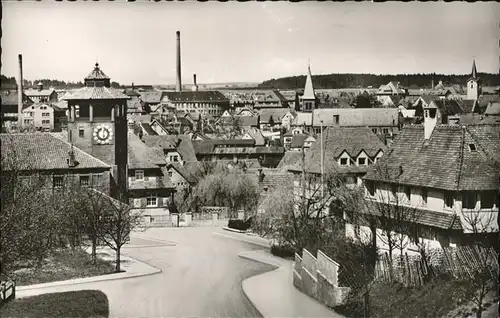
151, 97
272, 180
244, 121
256, 134
96, 73
290, 159
186, 174
356, 117
250, 150
276, 113
140, 156
472, 119
43, 151
352, 140
467, 105
432, 218
139, 118
303, 118
250, 164
208, 146
484, 100
103, 92
493, 109
198, 96
134, 105
446, 107
182, 144
459, 168
36, 92
130, 92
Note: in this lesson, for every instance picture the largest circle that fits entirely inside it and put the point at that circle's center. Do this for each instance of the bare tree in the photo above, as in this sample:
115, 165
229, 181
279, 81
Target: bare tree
117, 223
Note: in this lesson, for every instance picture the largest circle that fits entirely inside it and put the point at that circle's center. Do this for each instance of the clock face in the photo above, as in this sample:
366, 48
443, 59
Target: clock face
103, 134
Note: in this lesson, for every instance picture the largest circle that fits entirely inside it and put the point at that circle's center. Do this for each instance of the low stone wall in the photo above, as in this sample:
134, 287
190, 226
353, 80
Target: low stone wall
318, 278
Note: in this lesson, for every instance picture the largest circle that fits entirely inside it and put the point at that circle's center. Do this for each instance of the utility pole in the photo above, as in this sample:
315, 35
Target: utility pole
303, 180
322, 169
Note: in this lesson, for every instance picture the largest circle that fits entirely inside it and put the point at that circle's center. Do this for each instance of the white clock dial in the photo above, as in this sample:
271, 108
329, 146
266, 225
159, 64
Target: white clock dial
103, 134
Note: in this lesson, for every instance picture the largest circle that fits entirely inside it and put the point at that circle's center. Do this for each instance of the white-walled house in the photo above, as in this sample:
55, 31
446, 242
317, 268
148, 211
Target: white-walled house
448, 175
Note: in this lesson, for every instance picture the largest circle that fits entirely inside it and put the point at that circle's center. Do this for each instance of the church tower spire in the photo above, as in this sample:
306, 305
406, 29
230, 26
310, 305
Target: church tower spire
474, 70
308, 99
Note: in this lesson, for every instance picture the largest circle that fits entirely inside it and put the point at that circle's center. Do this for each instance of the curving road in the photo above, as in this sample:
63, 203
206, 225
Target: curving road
201, 277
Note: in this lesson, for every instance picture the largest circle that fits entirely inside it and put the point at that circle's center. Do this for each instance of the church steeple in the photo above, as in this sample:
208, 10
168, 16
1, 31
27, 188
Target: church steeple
474, 70
309, 88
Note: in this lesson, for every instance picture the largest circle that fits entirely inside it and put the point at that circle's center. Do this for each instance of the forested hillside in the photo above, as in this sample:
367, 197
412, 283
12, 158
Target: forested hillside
365, 80
11, 82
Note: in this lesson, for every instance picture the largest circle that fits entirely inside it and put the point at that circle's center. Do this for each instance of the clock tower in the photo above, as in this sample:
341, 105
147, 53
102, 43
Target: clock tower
100, 126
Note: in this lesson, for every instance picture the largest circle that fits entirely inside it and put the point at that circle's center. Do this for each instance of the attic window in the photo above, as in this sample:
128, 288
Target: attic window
343, 161
472, 147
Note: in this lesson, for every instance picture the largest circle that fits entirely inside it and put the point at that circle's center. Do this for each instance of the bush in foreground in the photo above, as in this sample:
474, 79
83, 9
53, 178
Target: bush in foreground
82, 303
283, 251
240, 224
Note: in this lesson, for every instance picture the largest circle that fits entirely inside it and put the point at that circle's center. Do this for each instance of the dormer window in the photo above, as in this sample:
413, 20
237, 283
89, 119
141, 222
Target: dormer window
361, 161
472, 147
343, 161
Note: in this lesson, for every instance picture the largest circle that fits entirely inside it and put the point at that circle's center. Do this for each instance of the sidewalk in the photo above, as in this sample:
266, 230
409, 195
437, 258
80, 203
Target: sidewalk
273, 293
132, 267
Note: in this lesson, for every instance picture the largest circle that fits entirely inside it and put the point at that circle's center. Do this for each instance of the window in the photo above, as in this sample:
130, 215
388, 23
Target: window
84, 181
81, 132
469, 200
472, 147
45, 122
139, 174
362, 161
96, 179
58, 181
336, 119
317, 130
170, 174
343, 161
426, 113
448, 200
45, 114
424, 195
385, 131
176, 158
374, 130
151, 201
488, 199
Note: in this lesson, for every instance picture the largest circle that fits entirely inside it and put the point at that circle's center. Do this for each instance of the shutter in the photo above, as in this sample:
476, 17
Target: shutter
159, 201
143, 202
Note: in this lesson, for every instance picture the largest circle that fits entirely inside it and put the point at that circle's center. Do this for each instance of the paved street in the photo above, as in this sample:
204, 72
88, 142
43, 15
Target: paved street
201, 276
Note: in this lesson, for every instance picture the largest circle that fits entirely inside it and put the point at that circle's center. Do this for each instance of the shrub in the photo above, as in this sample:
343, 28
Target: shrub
283, 251
240, 224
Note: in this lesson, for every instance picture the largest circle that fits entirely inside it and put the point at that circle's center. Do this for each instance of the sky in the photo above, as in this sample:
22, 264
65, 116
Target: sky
246, 42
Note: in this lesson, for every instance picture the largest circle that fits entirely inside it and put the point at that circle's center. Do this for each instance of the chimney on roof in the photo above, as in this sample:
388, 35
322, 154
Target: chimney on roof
195, 87
20, 93
178, 84
71, 158
432, 84
133, 87
261, 175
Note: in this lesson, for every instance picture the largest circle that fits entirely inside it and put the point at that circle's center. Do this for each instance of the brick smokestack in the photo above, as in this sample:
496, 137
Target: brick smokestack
20, 93
178, 84
195, 85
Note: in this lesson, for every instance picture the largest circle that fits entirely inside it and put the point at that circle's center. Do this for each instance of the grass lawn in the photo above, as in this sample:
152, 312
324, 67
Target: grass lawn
62, 265
82, 303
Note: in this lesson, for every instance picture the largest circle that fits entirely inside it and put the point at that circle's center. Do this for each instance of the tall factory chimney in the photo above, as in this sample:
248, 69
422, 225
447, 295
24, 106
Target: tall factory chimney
178, 85
195, 86
20, 94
